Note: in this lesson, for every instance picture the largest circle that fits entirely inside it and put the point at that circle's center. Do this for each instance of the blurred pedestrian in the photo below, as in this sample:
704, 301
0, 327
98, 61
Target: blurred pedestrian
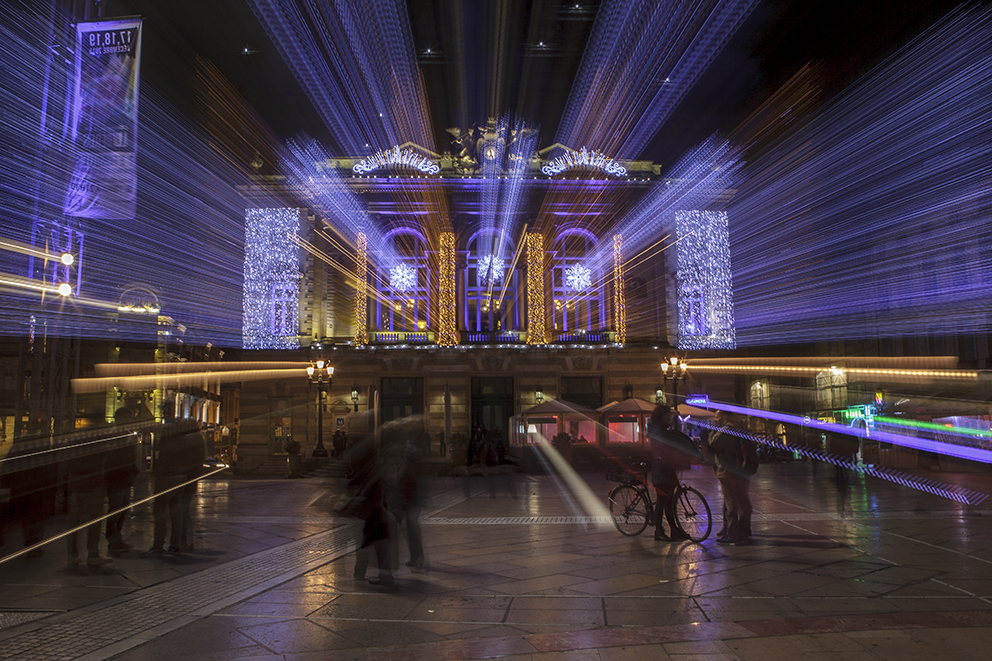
671, 451
30, 492
407, 498
500, 447
735, 460
169, 466
365, 480
194, 449
86, 487
121, 471
845, 450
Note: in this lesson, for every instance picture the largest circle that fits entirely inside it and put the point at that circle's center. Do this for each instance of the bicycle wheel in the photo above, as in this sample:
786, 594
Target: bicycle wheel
692, 513
628, 506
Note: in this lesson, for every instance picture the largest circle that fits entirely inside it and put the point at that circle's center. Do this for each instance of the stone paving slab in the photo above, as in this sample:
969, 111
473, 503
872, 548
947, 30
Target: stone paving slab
552, 583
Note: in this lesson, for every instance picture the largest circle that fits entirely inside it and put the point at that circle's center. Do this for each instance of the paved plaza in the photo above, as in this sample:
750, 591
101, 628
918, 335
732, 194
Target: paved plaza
518, 567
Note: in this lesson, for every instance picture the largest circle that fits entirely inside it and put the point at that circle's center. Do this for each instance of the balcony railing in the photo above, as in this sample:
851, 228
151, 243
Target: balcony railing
585, 337
502, 337
401, 337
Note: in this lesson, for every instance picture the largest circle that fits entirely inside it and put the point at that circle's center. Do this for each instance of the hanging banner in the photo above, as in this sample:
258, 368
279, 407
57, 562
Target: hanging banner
104, 180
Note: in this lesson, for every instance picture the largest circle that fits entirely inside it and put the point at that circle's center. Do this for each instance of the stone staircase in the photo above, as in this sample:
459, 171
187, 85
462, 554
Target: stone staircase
330, 468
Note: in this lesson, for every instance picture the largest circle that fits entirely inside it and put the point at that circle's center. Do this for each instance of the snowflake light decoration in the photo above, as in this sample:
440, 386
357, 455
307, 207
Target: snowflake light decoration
578, 277
491, 269
402, 277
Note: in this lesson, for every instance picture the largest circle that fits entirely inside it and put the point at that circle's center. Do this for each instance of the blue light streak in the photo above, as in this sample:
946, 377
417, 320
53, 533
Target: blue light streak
869, 216
642, 58
916, 443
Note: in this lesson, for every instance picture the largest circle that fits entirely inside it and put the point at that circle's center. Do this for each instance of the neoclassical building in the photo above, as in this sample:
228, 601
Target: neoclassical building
458, 287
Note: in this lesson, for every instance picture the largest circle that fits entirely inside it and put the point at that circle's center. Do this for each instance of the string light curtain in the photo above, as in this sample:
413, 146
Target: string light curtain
361, 293
619, 310
447, 335
536, 330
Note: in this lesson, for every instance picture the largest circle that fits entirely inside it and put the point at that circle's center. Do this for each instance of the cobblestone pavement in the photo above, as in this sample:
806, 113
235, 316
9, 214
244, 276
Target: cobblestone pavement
519, 568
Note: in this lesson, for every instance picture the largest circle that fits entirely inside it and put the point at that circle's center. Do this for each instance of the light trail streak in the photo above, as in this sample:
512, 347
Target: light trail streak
148, 382
106, 516
25, 249
185, 245
641, 60
519, 250
942, 489
357, 63
866, 218
137, 369
857, 371
927, 445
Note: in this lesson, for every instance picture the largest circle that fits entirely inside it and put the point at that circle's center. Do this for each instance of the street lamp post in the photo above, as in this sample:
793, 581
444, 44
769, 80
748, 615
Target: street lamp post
354, 397
674, 368
320, 375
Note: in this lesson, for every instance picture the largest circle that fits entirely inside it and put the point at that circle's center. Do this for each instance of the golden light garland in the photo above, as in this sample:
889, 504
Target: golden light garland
619, 310
361, 294
862, 371
447, 335
536, 331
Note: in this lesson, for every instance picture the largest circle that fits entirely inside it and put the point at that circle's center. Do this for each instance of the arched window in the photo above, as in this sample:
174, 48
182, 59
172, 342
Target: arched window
759, 395
577, 284
403, 282
490, 302
831, 389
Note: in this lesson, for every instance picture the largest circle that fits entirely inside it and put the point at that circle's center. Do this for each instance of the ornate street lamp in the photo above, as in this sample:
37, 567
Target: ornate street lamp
674, 368
320, 375
659, 394
354, 397
539, 395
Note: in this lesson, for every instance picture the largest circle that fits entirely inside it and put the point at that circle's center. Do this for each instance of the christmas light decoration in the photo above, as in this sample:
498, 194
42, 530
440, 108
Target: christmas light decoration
272, 277
402, 277
619, 303
490, 269
583, 158
536, 332
447, 335
395, 156
704, 291
361, 291
578, 277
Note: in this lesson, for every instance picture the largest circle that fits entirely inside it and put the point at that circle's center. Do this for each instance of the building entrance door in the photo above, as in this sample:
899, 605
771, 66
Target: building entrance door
492, 404
401, 398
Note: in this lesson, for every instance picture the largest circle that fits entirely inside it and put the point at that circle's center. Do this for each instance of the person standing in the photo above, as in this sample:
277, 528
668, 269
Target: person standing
32, 493
408, 502
86, 490
671, 451
734, 460
122, 469
194, 454
170, 469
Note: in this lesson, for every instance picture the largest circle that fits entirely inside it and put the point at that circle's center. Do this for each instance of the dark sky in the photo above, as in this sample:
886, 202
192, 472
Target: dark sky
773, 44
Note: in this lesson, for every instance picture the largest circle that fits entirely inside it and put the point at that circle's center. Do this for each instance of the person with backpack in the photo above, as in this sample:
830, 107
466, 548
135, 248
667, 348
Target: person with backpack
735, 460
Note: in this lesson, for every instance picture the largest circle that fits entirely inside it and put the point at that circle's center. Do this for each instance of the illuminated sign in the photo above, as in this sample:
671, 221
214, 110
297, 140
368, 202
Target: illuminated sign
584, 158
396, 156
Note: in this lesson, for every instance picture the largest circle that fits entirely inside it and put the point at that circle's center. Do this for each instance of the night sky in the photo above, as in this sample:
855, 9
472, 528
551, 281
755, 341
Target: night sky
772, 45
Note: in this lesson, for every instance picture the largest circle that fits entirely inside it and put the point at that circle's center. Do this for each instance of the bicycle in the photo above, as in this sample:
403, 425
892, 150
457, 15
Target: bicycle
632, 507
